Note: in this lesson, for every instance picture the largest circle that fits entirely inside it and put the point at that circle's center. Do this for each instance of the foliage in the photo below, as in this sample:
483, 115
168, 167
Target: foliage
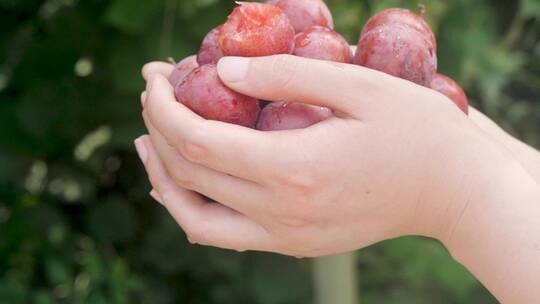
76, 222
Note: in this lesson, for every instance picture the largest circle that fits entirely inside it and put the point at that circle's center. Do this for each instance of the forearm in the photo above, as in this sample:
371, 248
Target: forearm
498, 238
528, 156
525, 154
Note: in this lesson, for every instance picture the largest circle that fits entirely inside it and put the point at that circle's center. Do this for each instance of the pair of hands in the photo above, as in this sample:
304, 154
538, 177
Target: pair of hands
397, 159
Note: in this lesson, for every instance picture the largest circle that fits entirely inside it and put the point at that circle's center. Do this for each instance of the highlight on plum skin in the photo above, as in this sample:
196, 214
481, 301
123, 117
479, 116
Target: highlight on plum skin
291, 115
452, 90
398, 50
203, 92
404, 17
324, 44
210, 51
182, 69
256, 29
304, 14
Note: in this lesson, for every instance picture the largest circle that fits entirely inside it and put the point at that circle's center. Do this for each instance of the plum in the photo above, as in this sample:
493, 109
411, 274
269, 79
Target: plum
400, 43
291, 115
210, 51
322, 43
182, 69
203, 92
452, 90
398, 50
256, 29
304, 14
404, 17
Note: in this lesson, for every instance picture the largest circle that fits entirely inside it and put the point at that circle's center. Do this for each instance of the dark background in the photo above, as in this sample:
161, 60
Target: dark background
76, 222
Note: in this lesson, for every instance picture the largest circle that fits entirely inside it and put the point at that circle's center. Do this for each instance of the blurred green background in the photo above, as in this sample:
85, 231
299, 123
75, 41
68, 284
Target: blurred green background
76, 222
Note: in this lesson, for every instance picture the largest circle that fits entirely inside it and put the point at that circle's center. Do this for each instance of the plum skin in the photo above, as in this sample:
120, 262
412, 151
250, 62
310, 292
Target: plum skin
182, 69
404, 17
291, 115
256, 29
452, 90
400, 43
400, 51
203, 92
210, 51
305, 14
324, 44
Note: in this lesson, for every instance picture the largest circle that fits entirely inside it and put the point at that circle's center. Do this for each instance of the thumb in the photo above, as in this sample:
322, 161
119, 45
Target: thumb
342, 87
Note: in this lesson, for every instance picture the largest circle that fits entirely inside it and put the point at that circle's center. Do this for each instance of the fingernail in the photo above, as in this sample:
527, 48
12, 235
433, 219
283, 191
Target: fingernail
143, 98
155, 195
233, 69
141, 149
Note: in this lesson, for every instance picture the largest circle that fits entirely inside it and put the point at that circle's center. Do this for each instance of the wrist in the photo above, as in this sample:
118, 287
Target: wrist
474, 171
490, 208
496, 236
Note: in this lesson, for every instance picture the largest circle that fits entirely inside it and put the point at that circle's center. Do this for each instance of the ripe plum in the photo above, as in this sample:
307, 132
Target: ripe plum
452, 90
304, 14
210, 51
182, 69
256, 29
291, 115
322, 43
203, 92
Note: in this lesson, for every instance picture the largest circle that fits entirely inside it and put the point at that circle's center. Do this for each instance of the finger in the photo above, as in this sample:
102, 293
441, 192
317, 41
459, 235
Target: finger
228, 148
155, 195
157, 67
143, 98
238, 194
343, 87
204, 223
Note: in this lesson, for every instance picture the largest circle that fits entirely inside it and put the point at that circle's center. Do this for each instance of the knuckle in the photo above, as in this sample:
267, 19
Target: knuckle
194, 148
193, 151
286, 70
182, 179
181, 173
304, 183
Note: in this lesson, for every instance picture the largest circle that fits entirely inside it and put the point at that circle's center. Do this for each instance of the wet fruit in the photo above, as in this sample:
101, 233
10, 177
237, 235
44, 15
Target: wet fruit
398, 48
322, 43
256, 29
290, 115
404, 17
203, 92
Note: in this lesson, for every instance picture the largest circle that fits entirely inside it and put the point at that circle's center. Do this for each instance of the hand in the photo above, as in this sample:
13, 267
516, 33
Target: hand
397, 159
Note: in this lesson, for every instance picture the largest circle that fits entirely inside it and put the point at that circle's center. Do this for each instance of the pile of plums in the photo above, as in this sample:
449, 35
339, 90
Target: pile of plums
395, 41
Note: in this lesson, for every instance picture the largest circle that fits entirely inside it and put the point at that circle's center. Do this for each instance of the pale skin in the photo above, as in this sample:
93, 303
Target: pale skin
397, 159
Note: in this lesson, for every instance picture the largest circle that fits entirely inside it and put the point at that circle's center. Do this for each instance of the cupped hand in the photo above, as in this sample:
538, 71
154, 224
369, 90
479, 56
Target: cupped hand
396, 159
